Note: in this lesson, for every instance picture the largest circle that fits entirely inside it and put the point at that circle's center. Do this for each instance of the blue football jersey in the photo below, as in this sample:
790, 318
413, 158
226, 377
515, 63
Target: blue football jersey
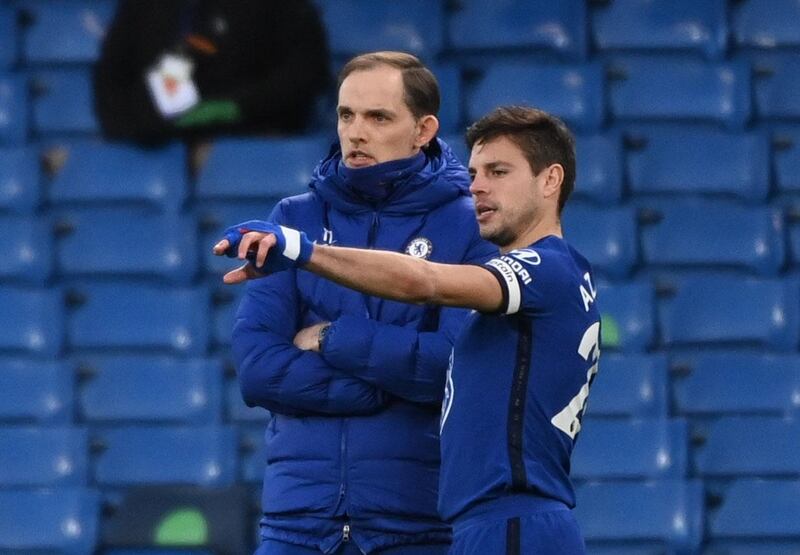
519, 380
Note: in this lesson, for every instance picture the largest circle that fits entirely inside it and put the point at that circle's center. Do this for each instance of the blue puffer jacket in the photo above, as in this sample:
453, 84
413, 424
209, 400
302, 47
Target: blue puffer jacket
353, 442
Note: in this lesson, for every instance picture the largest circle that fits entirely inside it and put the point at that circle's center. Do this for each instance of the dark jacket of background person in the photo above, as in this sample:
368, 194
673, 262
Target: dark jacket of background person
269, 57
354, 434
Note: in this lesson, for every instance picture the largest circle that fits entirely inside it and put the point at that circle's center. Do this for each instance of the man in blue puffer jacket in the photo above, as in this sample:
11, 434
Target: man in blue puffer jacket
355, 383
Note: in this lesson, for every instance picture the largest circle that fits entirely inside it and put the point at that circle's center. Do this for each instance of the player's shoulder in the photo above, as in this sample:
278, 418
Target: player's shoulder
297, 210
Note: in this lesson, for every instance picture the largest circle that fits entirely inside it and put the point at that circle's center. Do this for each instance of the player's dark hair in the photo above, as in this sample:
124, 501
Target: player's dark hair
421, 90
543, 138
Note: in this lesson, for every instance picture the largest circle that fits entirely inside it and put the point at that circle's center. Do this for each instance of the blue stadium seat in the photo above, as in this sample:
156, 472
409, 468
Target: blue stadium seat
711, 162
139, 316
36, 391
765, 23
65, 32
573, 93
64, 520
737, 383
688, 234
758, 510
32, 321
786, 159
63, 102
152, 245
557, 27
356, 26
749, 446
752, 547
247, 168
449, 78
27, 249
254, 454
103, 174
214, 217
19, 179
13, 109
640, 449
777, 86
628, 317
8, 37
668, 513
607, 237
151, 389
237, 410
630, 385
648, 25
650, 88
731, 310
140, 455
43, 457
600, 170
226, 301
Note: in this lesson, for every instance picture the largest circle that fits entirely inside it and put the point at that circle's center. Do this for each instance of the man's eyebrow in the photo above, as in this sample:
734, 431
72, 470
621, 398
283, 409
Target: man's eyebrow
380, 112
341, 109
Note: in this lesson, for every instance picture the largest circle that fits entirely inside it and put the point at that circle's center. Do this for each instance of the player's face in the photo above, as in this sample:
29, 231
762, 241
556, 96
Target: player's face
509, 200
375, 124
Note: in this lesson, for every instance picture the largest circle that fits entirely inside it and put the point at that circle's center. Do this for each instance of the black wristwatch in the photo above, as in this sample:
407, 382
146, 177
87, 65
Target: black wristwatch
323, 331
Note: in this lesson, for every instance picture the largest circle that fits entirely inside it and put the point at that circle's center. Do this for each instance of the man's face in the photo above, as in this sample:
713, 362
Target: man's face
508, 196
375, 125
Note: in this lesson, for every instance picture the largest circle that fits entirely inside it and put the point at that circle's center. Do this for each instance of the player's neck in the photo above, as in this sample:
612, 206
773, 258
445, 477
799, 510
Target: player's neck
540, 229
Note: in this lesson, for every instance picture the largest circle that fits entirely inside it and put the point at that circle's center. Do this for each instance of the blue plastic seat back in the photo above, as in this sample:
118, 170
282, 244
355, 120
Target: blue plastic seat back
786, 159
652, 89
715, 233
214, 217
647, 25
140, 455
156, 245
711, 163
226, 302
628, 318
771, 447
556, 27
600, 168
140, 316
260, 168
758, 509
151, 389
575, 93
357, 26
607, 237
753, 546
43, 457
63, 102
32, 320
669, 511
27, 251
737, 383
98, 173
731, 310
64, 520
255, 454
34, 391
20, 187
13, 109
450, 88
630, 449
777, 86
8, 37
765, 23
630, 385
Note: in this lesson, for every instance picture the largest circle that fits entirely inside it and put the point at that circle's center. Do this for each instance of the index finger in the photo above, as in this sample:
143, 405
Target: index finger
220, 248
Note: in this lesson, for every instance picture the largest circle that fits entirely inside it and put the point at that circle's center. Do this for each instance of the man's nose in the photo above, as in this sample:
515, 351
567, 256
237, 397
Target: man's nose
477, 186
355, 131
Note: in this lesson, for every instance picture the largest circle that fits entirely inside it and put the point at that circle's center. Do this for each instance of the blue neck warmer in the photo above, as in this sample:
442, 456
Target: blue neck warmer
376, 183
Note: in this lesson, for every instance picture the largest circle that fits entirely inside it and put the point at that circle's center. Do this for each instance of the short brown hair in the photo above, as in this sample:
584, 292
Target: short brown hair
543, 138
421, 90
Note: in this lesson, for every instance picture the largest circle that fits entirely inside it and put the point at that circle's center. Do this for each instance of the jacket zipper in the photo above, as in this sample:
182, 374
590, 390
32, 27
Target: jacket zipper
346, 532
343, 454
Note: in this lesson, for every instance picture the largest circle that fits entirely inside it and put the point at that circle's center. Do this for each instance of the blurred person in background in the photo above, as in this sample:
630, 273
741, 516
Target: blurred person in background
355, 383
196, 68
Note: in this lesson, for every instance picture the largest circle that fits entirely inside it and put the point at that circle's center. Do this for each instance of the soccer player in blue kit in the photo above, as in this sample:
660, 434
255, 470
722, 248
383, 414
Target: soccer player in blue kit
522, 366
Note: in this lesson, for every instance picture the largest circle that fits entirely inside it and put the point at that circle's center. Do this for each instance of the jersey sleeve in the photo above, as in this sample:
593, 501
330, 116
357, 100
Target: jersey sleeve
527, 280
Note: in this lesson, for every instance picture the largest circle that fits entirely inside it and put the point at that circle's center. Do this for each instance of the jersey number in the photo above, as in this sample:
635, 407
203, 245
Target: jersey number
569, 419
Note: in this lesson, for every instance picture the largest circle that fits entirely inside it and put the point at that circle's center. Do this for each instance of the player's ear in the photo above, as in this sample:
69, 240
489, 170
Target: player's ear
427, 126
554, 177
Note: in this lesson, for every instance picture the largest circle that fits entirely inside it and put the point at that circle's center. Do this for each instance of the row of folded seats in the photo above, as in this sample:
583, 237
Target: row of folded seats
37, 32
732, 94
